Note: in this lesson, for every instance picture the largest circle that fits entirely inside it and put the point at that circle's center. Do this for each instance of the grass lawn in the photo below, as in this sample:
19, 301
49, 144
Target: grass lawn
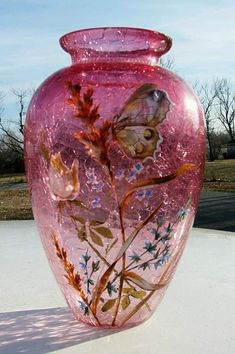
220, 176
15, 204
16, 178
223, 170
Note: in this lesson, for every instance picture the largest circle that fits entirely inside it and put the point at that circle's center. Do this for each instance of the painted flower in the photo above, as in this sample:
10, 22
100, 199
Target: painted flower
63, 181
95, 203
92, 179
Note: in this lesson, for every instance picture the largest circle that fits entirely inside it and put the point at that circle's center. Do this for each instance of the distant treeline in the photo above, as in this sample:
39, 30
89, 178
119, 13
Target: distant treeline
217, 98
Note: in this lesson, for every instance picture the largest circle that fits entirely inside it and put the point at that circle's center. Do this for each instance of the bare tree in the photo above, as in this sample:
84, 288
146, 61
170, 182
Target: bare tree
226, 105
208, 94
21, 95
2, 96
12, 138
167, 63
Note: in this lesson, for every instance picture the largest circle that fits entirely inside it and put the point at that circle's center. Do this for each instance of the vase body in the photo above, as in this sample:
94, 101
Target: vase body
114, 152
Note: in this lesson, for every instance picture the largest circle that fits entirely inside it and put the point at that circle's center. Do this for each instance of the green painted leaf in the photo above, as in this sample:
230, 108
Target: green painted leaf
104, 231
96, 222
79, 218
108, 305
105, 277
101, 286
78, 203
96, 239
125, 302
127, 290
141, 282
138, 294
81, 234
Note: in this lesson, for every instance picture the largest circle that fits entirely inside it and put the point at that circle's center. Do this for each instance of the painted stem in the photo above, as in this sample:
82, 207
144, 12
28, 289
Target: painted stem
164, 278
143, 253
123, 241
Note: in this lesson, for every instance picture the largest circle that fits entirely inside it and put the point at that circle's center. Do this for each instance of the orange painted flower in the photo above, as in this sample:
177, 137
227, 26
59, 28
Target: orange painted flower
63, 181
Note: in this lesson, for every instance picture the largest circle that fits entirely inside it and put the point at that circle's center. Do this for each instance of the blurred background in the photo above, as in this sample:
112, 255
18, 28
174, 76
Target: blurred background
203, 51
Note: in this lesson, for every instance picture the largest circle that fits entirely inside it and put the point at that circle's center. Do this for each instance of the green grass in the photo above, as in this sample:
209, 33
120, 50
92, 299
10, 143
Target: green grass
12, 178
15, 204
221, 170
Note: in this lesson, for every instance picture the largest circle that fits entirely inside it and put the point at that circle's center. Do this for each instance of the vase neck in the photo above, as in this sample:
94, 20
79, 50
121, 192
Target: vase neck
116, 44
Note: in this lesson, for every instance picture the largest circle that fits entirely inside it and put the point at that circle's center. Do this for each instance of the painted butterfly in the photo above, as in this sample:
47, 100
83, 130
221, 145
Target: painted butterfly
136, 127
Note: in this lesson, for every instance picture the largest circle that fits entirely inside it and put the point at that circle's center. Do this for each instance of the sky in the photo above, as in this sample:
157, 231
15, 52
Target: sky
203, 34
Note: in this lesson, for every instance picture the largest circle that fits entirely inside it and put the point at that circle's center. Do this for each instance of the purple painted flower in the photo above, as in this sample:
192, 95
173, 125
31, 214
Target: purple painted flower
120, 174
142, 194
131, 176
95, 203
93, 181
91, 177
138, 167
98, 186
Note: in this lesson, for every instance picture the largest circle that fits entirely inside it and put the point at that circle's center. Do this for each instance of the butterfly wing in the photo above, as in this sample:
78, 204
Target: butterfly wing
138, 141
135, 127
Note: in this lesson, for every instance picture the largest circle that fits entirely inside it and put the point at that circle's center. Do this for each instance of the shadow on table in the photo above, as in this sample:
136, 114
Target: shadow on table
42, 331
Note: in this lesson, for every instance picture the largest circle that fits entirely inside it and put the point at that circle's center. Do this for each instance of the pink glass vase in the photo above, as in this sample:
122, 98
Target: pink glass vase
114, 151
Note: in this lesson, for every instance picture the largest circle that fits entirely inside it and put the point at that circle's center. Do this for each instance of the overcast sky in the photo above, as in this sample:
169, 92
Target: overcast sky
203, 34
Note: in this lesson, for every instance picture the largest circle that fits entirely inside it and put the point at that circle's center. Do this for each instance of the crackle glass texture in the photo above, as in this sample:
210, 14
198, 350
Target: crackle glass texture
114, 152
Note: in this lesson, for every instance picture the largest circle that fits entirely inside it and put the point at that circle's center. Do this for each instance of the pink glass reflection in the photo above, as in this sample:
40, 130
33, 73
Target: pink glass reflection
114, 149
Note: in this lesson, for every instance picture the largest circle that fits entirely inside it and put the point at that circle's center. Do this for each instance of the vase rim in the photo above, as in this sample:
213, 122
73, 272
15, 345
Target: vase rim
116, 40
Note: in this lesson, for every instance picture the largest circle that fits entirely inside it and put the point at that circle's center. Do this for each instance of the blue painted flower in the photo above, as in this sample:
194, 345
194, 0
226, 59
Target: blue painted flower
165, 238
120, 174
91, 176
149, 247
83, 265
111, 288
165, 257
158, 264
86, 257
168, 229
98, 186
95, 203
182, 213
144, 265
138, 166
148, 193
156, 234
131, 176
142, 194
83, 307
90, 281
135, 257
93, 181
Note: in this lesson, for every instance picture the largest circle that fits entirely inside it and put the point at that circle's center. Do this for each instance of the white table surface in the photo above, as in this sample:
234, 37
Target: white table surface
196, 316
